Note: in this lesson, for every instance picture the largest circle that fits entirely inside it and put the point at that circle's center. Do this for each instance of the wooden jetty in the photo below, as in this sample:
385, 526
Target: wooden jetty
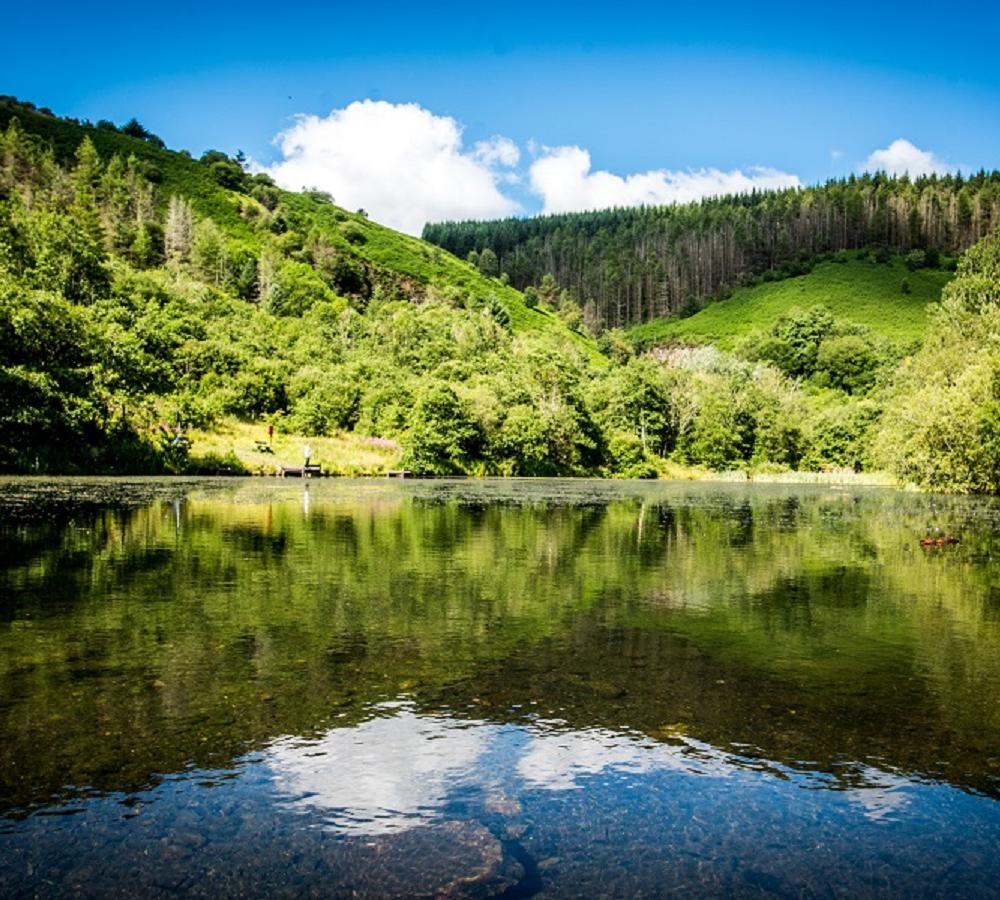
300, 471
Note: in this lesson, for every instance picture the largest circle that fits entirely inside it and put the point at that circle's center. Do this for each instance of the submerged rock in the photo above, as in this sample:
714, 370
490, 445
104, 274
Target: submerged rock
454, 859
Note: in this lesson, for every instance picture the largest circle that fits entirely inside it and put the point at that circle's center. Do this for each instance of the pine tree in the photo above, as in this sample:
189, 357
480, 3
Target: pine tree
86, 174
488, 262
115, 203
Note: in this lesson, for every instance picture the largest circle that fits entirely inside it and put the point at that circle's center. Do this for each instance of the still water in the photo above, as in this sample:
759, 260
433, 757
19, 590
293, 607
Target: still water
496, 688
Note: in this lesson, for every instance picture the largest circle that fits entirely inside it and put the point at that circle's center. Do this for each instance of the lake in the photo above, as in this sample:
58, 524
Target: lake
496, 688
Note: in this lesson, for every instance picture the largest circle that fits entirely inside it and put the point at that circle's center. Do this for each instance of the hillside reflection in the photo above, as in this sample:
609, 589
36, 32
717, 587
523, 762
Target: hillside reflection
663, 625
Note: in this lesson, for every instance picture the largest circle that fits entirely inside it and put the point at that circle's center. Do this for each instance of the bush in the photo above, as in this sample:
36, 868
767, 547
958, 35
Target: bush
443, 436
353, 234
848, 361
627, 458
794, 341
840, 436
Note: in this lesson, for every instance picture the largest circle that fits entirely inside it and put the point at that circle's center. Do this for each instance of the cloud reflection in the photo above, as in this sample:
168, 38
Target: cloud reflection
559, 760
398, 771
386, 774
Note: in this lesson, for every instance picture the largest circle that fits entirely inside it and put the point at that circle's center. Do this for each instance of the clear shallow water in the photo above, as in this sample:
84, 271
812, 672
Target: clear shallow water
554, 688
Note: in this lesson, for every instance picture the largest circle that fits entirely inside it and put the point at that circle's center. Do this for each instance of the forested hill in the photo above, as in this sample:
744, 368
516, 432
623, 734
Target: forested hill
145, 294
353, 256
631, 265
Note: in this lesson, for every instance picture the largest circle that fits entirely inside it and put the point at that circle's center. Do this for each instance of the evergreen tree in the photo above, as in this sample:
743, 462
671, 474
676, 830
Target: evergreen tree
488, 263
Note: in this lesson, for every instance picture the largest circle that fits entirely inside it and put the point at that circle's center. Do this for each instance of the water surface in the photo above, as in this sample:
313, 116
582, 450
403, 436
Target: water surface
496, 688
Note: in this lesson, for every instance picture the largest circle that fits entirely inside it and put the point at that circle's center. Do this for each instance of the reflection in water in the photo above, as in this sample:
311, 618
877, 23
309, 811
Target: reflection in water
882, 795
480, 687
389, 773
561, 760
401, 770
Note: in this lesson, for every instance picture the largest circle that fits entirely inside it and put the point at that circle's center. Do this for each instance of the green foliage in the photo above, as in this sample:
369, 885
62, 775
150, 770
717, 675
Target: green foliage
840, 435
941, 427
652, 262
127, 301
794, 340
636, 399
849, 362
497, 312
443, 436
615, 345
487, 263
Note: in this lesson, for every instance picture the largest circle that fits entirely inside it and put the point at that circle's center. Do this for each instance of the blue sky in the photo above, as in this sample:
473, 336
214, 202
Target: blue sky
808, 90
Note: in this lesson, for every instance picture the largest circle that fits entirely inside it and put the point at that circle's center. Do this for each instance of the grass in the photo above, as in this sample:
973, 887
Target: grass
345, 454
858, 291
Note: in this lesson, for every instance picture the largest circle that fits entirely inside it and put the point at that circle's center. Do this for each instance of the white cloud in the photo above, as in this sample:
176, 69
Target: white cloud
562, 177
498, 150
403, 164
901, 157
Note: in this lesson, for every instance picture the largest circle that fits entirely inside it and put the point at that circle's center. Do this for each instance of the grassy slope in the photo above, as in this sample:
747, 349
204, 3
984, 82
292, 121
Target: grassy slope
385, 248
857, 291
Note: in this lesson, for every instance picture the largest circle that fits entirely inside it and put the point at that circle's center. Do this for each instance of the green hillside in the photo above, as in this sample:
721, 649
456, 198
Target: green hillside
161, 313
858, 291
403, 257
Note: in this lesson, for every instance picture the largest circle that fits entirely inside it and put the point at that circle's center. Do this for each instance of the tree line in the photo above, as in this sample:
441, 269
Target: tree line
629, 265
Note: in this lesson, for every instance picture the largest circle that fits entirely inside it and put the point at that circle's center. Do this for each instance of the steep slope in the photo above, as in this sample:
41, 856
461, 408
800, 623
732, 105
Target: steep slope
861, 292
413, 263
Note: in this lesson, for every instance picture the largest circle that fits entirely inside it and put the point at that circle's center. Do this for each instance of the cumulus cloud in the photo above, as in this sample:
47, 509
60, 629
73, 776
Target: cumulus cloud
403, 164
903, 158
562, 177
498, 150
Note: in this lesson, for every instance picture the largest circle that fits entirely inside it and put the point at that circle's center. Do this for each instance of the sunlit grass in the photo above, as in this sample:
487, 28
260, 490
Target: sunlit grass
857, 291
342, 454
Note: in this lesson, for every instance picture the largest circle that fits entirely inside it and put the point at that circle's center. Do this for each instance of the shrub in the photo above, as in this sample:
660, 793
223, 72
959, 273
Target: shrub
848, 361
443, 435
